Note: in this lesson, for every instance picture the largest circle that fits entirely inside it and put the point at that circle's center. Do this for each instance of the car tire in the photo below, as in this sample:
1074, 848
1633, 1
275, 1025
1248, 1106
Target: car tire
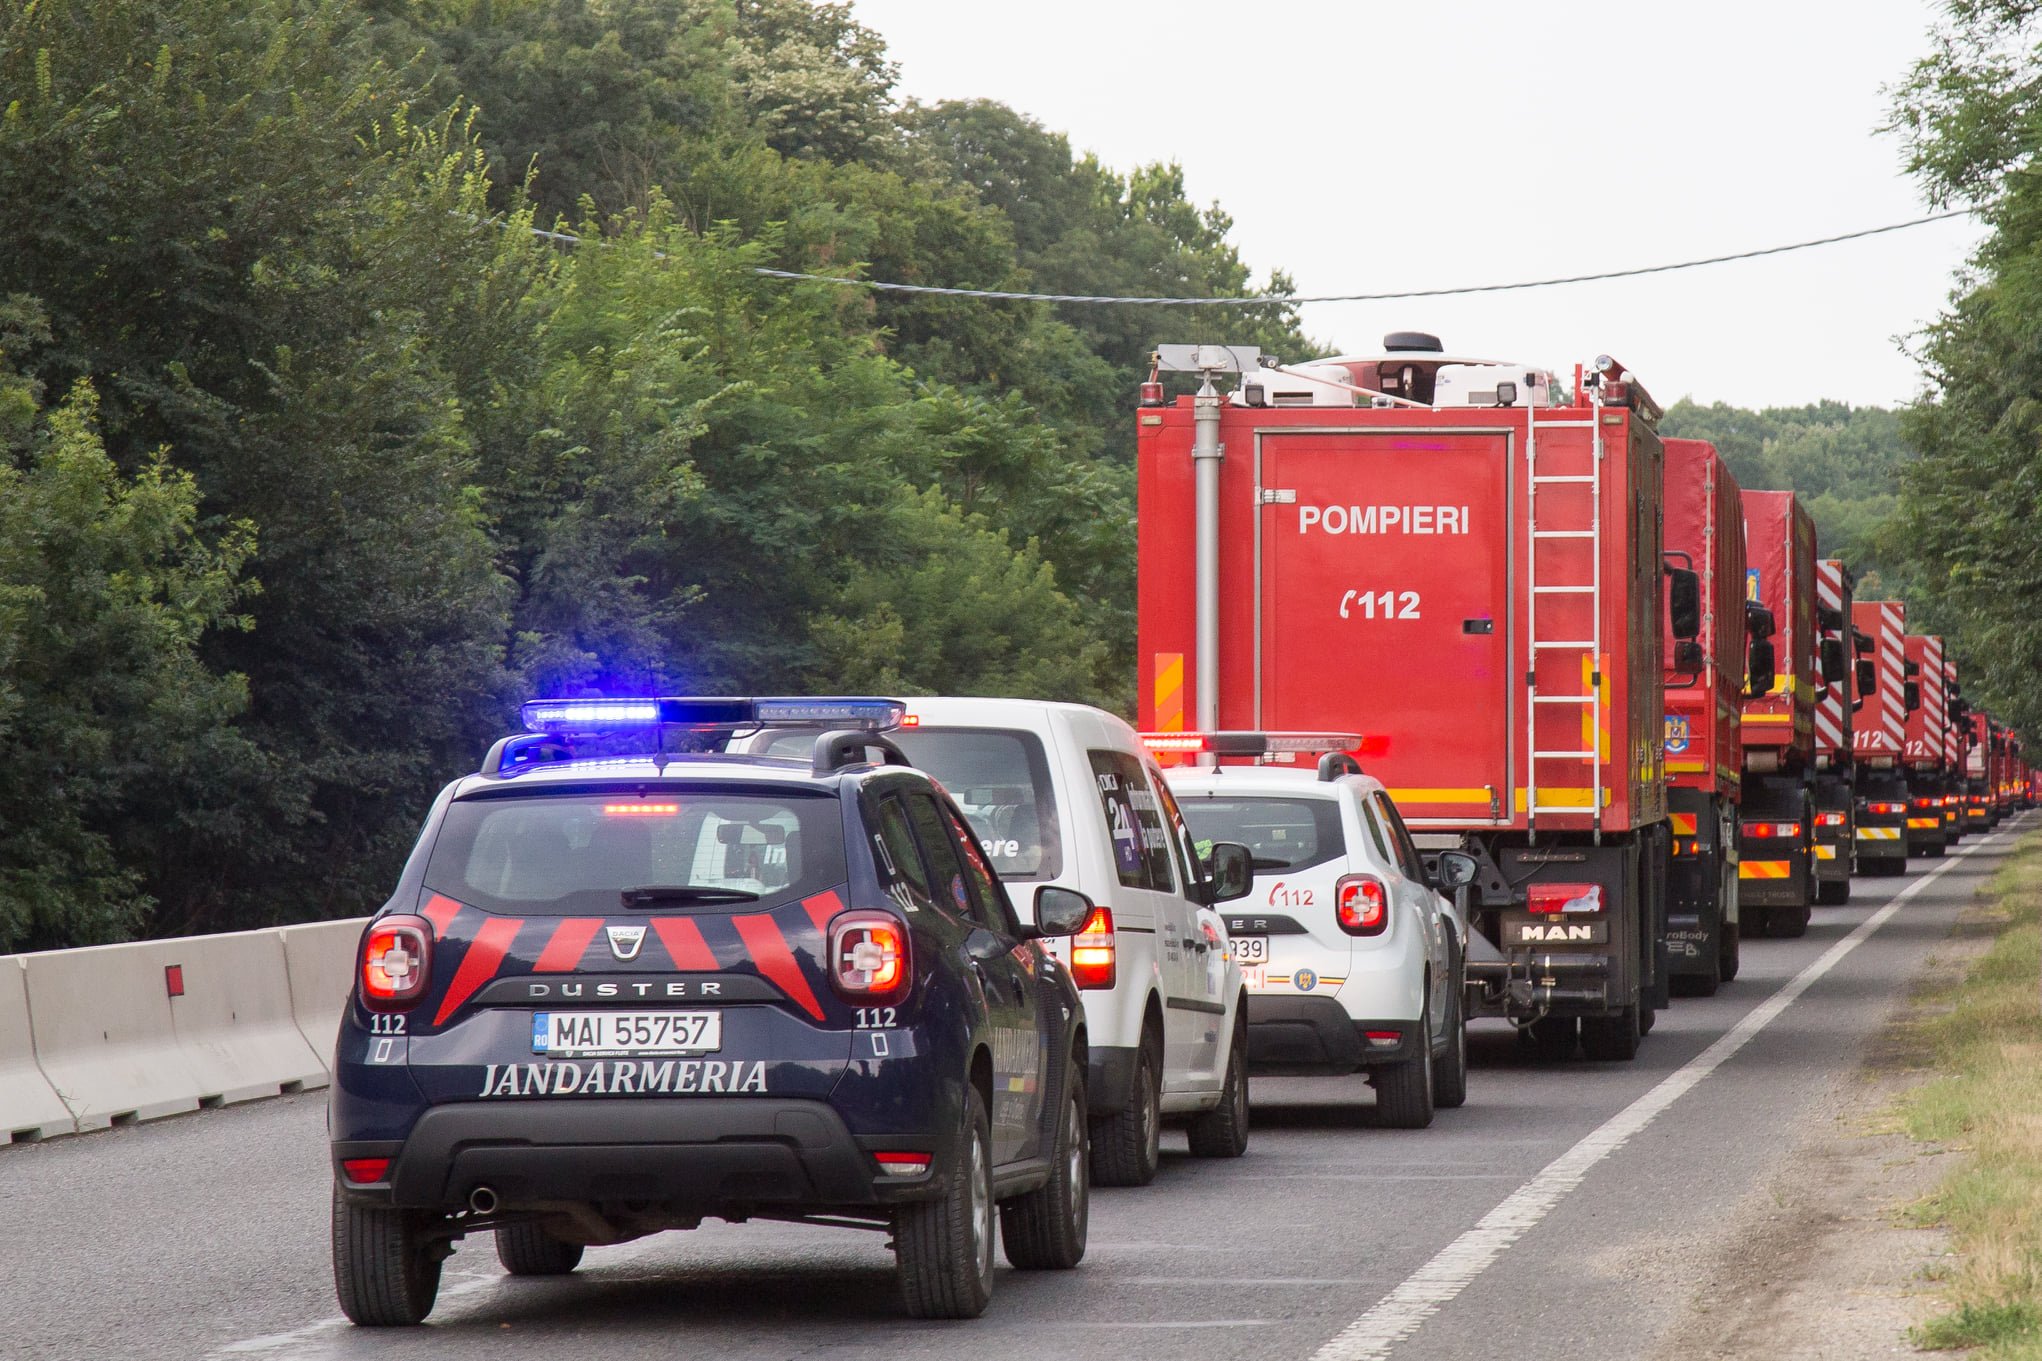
386, 1265
1127, 1145
1222, 1132
528, 1250
1404, 1088
1044, 1230
1790, 923
1450, 1070
1611, 1039
1728, 955
943, 1248
1833, 892
1554, 1037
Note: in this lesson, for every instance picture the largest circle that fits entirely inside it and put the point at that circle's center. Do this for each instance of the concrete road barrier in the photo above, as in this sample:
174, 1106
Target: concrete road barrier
234, 1022
320, 960
29, 1107
103, 1031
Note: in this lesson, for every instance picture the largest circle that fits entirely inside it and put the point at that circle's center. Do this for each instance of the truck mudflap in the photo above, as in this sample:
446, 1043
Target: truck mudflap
1561, 930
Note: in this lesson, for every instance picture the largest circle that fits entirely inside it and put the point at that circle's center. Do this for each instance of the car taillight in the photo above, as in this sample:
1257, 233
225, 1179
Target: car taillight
1361, 904
1553, 898
396, 962
868, 956
1830, 819
1093, 952
1772, 829
365, 1171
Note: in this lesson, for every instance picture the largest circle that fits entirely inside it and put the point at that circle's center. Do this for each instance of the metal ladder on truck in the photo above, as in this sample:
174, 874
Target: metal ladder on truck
1538, 589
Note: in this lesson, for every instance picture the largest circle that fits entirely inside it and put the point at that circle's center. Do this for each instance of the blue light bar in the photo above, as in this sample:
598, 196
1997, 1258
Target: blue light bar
879, 715
588, 715
562, 716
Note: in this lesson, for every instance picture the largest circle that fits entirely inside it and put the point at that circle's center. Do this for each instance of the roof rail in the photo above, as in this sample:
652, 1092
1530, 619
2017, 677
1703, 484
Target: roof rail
844, 748
1335, 764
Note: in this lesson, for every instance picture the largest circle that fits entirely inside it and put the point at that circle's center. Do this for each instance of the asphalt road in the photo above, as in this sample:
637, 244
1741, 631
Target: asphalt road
1562, 1213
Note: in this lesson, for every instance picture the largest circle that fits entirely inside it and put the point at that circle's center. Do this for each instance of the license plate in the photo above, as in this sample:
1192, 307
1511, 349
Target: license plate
561, 1034
1251, 950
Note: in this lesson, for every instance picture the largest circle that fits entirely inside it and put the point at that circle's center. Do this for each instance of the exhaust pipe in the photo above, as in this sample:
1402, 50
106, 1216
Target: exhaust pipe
482, 1200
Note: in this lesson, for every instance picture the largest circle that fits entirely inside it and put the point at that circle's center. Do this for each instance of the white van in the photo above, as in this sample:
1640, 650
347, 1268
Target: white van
1066, 794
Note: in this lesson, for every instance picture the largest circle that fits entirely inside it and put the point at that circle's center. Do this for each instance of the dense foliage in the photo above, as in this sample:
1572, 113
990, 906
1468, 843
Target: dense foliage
316, 459
1844, 461
1970, 521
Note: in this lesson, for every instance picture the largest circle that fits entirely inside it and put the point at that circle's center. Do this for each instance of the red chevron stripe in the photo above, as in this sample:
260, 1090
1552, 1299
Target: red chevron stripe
822, 907
761, 935
478, 966
683, 940
440, 912
564, 950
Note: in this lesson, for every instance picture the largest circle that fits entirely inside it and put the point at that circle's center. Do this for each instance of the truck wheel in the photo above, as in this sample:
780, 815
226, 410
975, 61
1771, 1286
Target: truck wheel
1611, 1039
1727, 954
1450, 1070
1127, 1146
528, 1250
1045, 1229
1222, 1132
1648, 1016
943, 1248
1404, 1088
1555, 1037
1833, 892
1790, 923
386, 1267
1705, 983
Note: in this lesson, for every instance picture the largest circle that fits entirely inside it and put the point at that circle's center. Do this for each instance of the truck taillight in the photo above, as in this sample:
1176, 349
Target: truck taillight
1772, 829
1556, 898
1361, 905
1886, 809
1830, 819
396, 962
1092, 951
868, 956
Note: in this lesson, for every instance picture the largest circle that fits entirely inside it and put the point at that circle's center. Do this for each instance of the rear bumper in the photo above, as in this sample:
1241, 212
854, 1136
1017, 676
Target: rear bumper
699, 1156
1316, 1035
1880, 842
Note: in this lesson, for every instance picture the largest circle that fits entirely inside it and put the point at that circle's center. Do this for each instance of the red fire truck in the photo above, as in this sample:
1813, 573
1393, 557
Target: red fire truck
1775, 841
1983, 771
1705, 679
1925, 754
1838, 701
1956, 750
1879, 736
1460, 560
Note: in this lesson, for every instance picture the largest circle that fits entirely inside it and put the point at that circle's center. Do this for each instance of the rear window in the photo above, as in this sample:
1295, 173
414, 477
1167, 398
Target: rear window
577, 854
1283, 834
1000, 778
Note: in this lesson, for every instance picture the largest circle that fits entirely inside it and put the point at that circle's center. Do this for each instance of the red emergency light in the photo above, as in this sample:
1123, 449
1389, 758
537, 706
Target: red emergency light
1256, 743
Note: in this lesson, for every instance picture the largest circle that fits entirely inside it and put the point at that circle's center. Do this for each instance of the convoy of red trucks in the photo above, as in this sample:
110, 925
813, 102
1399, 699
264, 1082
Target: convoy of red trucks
1579, 652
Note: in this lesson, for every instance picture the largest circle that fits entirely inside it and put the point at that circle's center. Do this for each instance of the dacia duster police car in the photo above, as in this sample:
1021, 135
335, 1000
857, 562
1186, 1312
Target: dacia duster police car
620, 990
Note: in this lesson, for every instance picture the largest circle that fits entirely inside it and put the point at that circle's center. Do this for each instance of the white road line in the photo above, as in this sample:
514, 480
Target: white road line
1398, 1315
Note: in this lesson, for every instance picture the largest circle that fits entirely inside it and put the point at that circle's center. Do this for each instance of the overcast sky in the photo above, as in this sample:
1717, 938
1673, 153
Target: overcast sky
1367, 147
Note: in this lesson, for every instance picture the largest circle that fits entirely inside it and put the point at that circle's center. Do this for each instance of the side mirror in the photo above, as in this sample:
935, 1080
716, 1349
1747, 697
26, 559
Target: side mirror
1761, 678
1828, 618
1834, 664
1455, 869
1061, 911
1233, 871
1758, 620
1684, 601
1861, 643
1687, 656
1910, 695
1868, 677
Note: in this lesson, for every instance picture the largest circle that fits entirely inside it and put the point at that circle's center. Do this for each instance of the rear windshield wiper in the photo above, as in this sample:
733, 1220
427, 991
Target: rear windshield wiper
1264, 863
692, 895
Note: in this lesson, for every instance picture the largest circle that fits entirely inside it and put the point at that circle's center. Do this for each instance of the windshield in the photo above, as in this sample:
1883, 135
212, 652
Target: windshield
1283, 834
581, 853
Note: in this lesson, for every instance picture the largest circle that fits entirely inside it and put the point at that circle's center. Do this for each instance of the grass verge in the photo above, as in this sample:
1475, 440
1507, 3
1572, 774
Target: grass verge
1982, 1035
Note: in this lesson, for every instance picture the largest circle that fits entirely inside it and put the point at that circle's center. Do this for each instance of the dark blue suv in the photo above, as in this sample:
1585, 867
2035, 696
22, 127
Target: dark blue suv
623, 988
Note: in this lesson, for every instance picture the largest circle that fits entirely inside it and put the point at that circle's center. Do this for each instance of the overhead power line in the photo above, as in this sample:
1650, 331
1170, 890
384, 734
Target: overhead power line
1004, 295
